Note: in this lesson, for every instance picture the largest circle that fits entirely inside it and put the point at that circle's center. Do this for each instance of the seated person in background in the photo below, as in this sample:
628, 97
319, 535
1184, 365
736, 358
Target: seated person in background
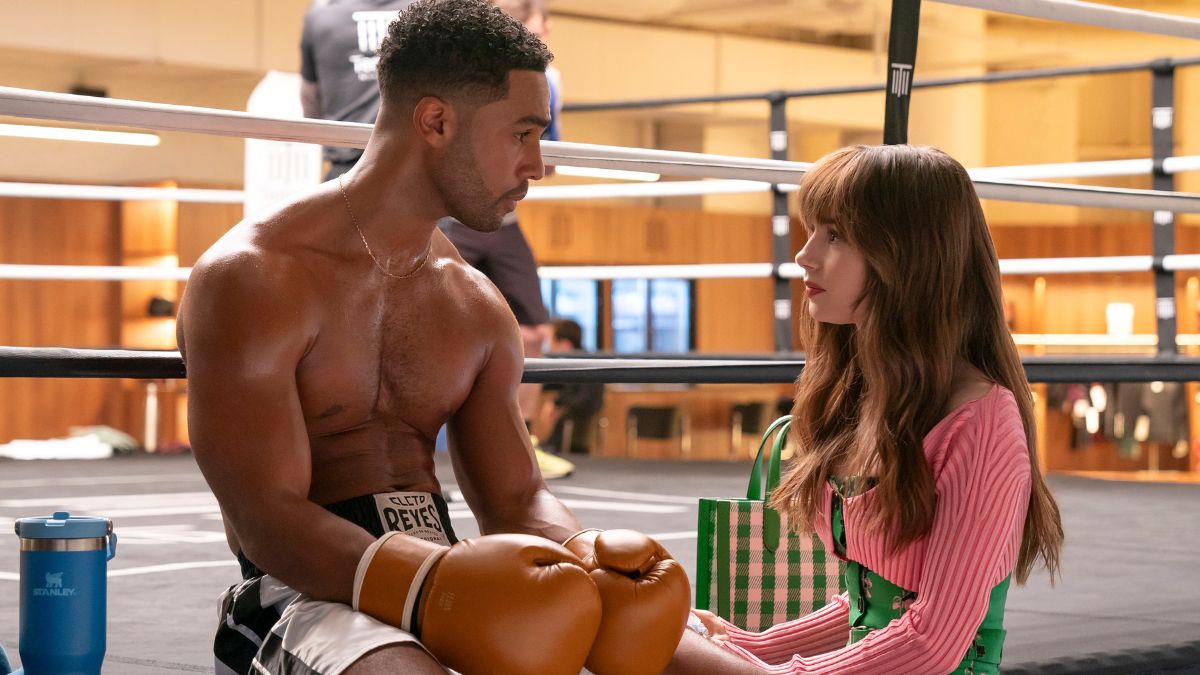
327, 342
576, 402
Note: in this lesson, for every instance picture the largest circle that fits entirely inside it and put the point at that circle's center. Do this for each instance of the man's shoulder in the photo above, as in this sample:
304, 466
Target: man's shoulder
248, 257
469, 283
243, 292
468, 287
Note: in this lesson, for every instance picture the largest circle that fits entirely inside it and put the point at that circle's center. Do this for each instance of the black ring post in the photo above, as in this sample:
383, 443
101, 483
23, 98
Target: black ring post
902, 57
781, 228
1162, 136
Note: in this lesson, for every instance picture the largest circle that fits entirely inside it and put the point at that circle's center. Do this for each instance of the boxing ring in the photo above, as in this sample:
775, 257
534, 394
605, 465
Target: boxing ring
711, 174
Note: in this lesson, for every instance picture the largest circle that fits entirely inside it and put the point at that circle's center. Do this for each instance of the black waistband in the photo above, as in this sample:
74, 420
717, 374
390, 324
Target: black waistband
361, 511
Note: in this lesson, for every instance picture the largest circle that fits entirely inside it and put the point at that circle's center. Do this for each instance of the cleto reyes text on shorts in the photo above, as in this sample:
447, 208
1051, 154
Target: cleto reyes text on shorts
413, 513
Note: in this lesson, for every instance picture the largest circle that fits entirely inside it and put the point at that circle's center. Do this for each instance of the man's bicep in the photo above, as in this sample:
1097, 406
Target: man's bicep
245, 421
246, 427
489, 443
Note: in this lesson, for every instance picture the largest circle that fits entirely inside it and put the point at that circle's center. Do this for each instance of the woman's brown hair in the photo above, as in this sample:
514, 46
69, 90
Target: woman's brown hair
870, 392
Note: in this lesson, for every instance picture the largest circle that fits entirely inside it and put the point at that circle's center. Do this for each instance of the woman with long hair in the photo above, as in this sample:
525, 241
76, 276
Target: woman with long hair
914, 431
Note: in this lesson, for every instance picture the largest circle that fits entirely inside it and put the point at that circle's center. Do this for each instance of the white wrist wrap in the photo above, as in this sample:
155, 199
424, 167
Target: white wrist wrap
363, 563
590, 529
414, 587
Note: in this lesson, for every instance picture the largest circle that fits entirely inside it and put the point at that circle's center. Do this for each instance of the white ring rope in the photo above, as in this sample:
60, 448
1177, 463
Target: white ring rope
1080, 265
1086, 195
122, 193
1014, 266
1092, 14
1181, 262
681, 188
711, 271
1095, 169
167, 117
44, 105
674, 163
93, 273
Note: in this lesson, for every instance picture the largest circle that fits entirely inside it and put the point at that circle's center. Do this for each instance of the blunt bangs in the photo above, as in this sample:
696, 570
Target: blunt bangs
831, 191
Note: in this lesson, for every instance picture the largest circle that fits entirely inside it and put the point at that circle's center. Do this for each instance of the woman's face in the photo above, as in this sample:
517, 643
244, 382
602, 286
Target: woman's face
835, 276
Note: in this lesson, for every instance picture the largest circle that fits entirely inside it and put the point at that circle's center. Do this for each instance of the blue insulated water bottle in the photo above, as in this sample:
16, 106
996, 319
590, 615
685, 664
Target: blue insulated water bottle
64, 593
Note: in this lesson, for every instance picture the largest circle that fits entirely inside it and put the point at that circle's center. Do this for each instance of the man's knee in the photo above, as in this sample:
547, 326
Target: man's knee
406, 657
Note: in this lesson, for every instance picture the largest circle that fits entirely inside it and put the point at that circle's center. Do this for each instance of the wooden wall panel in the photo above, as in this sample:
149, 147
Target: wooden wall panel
575, 234
201, 225
731, 315
148, 240
734, 315
1074, 304
56, 313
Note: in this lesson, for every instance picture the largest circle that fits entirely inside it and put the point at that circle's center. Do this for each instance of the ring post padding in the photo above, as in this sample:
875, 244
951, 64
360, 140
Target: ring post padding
902, 59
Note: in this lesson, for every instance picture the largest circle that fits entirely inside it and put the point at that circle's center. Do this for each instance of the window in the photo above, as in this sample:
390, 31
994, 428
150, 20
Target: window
577, 299
652, 315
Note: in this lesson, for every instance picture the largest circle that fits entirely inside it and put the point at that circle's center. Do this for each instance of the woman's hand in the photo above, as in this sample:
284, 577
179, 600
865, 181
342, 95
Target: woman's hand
712, 624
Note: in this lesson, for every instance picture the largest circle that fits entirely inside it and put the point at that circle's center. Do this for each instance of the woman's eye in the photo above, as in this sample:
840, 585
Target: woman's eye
834, 237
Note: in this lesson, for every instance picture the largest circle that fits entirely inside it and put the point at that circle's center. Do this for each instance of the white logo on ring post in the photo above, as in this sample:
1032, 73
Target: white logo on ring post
1162, 117
901, 79
1165, 308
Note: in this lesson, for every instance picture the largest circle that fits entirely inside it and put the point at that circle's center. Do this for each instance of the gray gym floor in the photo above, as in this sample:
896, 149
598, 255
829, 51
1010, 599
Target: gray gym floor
1129, 570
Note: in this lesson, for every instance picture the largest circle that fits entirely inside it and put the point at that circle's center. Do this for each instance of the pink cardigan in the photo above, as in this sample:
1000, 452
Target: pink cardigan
980, 463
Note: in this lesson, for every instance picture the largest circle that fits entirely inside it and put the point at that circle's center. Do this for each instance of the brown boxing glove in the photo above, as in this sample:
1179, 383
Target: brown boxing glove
646, 598
509, 604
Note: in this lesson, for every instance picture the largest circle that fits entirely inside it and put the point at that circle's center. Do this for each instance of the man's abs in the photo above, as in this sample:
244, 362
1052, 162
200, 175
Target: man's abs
355, 464
371, 460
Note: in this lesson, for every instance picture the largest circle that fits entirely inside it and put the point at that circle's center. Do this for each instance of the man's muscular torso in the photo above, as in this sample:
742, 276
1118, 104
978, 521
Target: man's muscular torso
387, 360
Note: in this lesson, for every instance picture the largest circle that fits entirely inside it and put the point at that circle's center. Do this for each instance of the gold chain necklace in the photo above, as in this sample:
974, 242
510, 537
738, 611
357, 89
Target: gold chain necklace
354, 221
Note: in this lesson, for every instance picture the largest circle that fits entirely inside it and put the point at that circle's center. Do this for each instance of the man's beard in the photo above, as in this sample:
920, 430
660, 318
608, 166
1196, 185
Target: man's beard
466, 198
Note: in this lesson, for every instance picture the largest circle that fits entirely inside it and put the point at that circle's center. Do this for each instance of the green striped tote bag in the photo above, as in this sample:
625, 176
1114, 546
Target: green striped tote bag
751, 569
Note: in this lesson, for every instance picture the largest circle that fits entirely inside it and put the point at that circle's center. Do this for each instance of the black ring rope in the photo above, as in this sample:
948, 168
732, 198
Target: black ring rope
61, 362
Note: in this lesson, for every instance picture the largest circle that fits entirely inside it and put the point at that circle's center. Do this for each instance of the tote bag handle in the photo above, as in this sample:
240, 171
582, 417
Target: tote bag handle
776, 435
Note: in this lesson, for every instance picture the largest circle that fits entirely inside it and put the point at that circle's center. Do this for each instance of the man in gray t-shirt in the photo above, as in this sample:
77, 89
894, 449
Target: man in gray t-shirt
338, 52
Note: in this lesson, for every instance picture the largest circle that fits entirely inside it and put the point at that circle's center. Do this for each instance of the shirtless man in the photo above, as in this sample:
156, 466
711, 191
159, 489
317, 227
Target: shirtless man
327, 343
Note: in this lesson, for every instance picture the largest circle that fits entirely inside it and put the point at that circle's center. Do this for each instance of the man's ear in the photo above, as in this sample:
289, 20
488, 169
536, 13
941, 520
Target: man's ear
435, 121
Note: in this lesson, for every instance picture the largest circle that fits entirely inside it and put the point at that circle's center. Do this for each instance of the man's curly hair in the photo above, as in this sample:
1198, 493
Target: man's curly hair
448, 47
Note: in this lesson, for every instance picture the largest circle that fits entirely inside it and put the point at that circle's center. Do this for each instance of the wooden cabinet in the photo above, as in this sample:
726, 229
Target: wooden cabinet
703, 420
